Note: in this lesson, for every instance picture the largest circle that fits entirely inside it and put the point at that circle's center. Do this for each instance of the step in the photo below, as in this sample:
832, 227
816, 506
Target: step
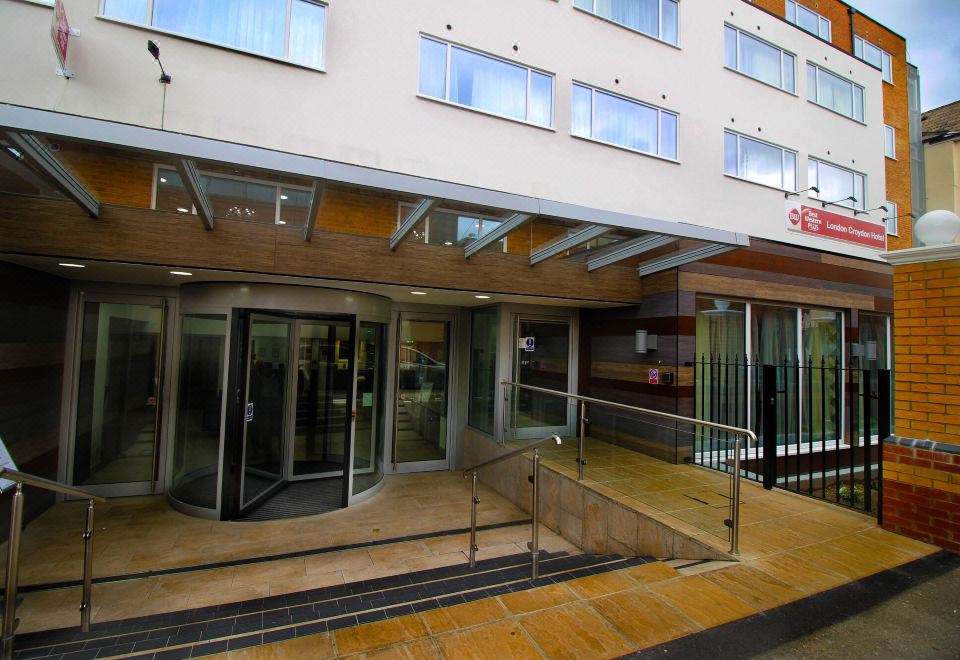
221, 628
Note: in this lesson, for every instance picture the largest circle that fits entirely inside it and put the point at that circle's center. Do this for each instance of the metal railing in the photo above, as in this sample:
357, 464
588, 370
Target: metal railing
736, 432
13, 551
475, 500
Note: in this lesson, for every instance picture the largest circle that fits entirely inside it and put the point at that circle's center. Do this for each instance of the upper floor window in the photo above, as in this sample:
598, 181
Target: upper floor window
889, 142
292, 31
870, 54
836, 184
890, 218
833, 92
759, 162
808, 19
465, 77
654, 18
758, 59
623, 122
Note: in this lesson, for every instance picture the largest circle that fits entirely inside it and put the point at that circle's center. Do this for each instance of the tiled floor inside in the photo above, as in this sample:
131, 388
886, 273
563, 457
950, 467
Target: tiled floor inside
791, 547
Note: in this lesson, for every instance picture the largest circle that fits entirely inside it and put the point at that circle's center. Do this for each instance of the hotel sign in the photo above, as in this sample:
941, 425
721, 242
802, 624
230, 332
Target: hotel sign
820, 222
60, 34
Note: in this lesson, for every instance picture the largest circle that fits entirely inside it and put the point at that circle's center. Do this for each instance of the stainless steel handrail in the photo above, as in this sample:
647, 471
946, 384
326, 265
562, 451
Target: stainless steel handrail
735, 430
535, 504
13, 551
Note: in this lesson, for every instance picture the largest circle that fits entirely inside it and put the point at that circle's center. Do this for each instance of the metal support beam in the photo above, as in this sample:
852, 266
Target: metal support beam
514, 221
187, 169
629, 249
44, 160
316, 199
572, 240
419, 212
684, 257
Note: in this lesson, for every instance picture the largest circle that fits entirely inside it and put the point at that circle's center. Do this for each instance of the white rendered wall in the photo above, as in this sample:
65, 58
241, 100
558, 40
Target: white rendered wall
364, 109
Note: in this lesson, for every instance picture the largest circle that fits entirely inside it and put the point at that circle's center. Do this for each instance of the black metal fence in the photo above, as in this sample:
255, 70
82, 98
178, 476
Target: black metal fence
820, 426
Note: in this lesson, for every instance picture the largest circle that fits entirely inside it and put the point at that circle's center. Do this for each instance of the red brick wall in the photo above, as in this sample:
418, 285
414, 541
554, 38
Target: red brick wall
921, 491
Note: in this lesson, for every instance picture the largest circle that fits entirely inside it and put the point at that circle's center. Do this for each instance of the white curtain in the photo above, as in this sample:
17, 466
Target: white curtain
255, 25
641, 15
625, 123
834, 93
488, 84
759, 60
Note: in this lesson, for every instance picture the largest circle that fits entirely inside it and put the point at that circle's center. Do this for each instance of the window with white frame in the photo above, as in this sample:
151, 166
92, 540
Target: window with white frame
474, 80
452, 228
890, 219
760, 162
808, 19
759, 59
236, 198
889, 142
836, 184
829, 90
871, 54
655, 18
623, 122
291, 30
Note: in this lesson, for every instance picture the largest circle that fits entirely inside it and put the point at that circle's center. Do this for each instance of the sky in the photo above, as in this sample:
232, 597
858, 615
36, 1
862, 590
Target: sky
932, 31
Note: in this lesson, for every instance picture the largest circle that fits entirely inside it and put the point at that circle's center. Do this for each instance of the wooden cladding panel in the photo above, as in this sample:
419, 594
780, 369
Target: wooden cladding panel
760, 290
639, 373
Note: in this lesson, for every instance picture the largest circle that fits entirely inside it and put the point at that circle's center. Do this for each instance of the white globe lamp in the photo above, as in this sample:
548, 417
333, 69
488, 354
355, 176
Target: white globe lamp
937, 228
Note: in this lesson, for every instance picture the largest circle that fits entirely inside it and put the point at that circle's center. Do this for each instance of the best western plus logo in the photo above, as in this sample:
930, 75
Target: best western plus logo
794, 215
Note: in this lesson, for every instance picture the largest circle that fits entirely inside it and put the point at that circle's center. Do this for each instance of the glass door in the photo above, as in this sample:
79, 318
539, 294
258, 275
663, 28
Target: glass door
322, 415
264, 439
542, 360
119, 375
420, 419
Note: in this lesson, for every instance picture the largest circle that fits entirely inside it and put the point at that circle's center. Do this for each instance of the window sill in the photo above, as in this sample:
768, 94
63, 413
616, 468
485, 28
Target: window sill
485, 112
43, 3
628, 149
893, 158
628, 28
214, 44
756, 183
762, 82
839, 114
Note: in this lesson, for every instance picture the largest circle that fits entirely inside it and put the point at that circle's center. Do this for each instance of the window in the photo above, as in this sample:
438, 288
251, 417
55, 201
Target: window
889, 143
292, 31
836, 184
470, 79
654, 18
759, 162
870, 54
834, 93
453, 229
623, 122
758, 59
890, 219
236, 198
809, 20
483, 368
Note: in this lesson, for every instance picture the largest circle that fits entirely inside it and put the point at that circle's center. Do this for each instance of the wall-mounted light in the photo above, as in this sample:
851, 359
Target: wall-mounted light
154, 50
813, 188
644, 342
851, 198
879, 208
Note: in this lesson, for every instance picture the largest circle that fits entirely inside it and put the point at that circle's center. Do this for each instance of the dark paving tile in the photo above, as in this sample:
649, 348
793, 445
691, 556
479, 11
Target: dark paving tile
280, 635
312, 628
174, 654
208, 648
245, 642
370, 617
340, 622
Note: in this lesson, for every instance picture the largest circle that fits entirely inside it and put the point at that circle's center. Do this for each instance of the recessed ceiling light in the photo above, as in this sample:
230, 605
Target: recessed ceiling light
162, 180
180, 272
283, 196
281, 222
483, 297
183, 210
447, 243
66, 265
419, 293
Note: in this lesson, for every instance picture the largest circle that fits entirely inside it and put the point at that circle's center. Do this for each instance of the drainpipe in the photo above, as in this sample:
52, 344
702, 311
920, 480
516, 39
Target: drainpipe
851, 11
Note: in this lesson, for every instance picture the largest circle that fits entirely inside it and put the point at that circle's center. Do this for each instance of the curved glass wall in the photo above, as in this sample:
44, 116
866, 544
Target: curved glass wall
196, 449
368, 428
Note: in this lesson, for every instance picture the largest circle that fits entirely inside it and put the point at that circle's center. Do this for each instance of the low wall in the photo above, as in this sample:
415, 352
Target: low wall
921, 490
590, 520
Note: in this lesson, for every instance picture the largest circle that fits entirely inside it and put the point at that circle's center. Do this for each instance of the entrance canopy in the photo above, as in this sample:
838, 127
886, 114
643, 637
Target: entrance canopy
595, 236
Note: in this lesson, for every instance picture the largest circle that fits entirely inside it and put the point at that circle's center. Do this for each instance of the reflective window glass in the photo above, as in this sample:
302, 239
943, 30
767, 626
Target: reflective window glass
656, 18
623, 122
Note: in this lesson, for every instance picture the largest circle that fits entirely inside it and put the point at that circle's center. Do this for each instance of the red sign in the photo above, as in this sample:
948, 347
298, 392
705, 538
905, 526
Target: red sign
823, 223
60, 33
653, 376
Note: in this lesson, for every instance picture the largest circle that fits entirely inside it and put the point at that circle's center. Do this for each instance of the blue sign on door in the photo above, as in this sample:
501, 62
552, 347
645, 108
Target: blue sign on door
528, 346
248, 417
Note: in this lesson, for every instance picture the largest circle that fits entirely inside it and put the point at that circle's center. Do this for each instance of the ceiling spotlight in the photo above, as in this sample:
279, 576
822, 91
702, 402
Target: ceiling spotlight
283, 197
154, 50
180, 209
69, 265
482, 297
419, 293
181, 273
162, 180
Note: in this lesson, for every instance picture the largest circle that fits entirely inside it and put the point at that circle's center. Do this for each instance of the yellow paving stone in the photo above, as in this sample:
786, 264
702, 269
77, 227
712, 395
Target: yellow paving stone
317, 647
644, 618
655, 571
834, 559
908, 545
753, 586
810, 577
494, 641
703, 601
531, 600
422, 649
575, 631
465, 615
602, 584
372, 636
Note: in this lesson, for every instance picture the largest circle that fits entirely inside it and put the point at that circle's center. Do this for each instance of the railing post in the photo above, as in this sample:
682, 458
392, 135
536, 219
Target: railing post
13, 566
535, 544
85, 604
581, 461
735, 501
769, 408
505, 415
474, 501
